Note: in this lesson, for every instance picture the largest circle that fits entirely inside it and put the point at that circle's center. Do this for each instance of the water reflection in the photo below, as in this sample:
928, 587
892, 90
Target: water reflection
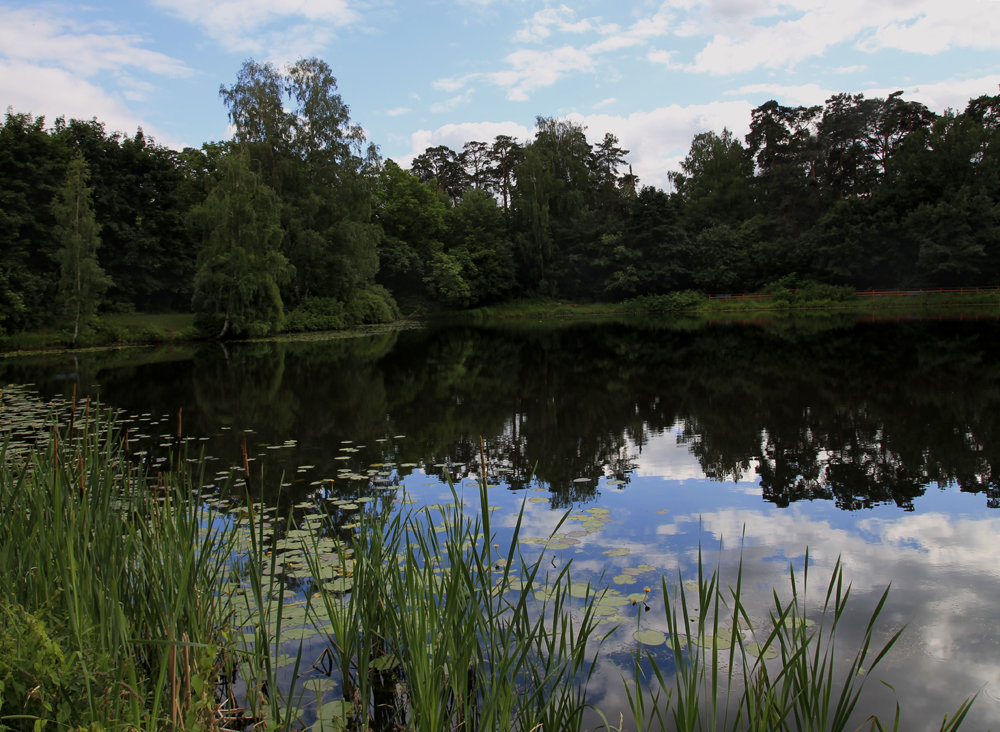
861, 416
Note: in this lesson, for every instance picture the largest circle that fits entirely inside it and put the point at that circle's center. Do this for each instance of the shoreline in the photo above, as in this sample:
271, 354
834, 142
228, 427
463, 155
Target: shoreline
144, 333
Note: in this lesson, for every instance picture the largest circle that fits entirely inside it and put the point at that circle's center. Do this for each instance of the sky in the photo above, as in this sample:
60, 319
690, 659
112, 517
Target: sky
419, 73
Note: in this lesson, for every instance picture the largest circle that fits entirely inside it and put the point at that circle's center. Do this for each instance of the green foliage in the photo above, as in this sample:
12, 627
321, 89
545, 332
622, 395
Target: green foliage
34, 168
478, 241
674, 302
82, 282
372, 304
716, 182
296, 130
111, 617
412, 217
445, 278
316, 313
791, 291
240, 267
39, 679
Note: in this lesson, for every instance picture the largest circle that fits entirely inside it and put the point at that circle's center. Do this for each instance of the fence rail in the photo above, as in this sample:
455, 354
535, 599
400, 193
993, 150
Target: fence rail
878, 293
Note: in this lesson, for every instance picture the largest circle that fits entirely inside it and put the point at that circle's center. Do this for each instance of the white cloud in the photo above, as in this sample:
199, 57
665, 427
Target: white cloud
51, 92
543, 23
935, 27
801, 94
666, 58
952, 93
37, 37
775, 34
532, 69
251, 25
456, 135
659, 139
452, 103
56, 66
397, 111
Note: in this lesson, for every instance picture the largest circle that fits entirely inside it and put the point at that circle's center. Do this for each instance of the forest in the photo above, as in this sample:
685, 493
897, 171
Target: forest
297, 223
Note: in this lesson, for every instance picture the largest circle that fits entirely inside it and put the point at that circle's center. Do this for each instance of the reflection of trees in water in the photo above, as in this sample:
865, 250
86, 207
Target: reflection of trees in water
861, 415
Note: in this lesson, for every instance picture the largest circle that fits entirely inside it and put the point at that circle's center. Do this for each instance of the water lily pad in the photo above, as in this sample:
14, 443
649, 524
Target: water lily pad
754, 649
624, 579
319, 686
650, 637
332, 716
339, 584
616, 552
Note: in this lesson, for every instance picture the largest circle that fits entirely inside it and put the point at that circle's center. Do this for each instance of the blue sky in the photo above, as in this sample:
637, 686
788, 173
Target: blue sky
417, 74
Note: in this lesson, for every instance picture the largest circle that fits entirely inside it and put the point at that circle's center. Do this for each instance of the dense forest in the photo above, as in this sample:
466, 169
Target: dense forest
297, 224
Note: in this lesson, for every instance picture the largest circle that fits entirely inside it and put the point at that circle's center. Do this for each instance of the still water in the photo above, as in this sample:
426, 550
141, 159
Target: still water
876, 443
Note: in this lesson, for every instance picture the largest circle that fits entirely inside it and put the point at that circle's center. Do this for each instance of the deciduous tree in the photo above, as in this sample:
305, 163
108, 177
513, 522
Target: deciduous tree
82, 282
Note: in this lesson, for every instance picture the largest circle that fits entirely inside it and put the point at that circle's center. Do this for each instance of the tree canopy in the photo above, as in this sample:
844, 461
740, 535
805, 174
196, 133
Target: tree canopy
860, 192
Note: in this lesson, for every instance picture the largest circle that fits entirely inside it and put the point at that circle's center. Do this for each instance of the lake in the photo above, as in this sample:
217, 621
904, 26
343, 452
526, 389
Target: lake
877, 443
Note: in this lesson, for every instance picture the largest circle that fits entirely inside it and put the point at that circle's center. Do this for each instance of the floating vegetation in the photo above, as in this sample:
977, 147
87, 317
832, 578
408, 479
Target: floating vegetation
650, 637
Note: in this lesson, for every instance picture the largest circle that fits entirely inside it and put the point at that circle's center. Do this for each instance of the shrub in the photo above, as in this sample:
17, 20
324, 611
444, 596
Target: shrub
316, 313
372, 304
672, 302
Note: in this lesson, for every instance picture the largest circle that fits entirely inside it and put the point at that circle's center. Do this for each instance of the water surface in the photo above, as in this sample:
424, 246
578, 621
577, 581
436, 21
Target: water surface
872, 442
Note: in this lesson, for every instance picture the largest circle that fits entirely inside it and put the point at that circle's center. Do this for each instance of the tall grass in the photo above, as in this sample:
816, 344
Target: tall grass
792, 678
441, 630
109, 614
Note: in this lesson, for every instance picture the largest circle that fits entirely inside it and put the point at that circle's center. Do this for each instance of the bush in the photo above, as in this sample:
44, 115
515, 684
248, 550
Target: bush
372, 304
316, 313
38, 679
672, 302
793, 292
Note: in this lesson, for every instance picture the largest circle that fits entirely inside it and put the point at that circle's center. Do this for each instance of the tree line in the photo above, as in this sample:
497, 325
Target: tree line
297, 223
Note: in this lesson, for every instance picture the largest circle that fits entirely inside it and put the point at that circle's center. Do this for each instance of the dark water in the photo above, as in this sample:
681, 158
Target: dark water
878, 443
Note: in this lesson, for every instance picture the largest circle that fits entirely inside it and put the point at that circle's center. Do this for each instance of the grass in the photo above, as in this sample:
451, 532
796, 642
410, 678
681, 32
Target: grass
112, 329
697, 307
791, 678
129, 603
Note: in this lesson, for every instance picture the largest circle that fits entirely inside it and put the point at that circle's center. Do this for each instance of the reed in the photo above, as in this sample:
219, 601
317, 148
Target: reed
438, 630
792, 678
110, 611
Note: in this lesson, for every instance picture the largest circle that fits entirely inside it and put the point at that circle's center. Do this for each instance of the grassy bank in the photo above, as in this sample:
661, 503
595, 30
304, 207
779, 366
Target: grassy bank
129, 603
820, 302
109, 330
777, 303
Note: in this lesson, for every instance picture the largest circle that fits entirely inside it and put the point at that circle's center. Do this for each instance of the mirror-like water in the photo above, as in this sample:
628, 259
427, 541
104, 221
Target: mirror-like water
873, 442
